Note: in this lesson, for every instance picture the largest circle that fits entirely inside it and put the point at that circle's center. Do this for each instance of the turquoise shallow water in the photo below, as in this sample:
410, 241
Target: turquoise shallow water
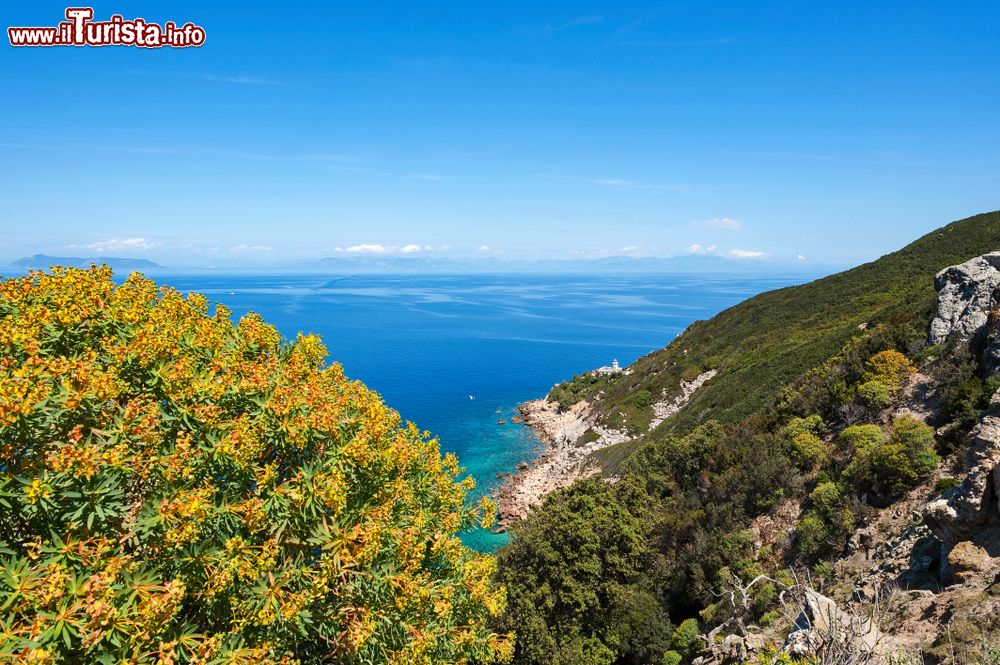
428, 342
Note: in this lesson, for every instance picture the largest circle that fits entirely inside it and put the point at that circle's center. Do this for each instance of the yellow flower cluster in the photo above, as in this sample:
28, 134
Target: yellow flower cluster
178, 488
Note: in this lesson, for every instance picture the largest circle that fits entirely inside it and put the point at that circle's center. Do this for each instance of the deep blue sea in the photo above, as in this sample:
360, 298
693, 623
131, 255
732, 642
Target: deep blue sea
427, 343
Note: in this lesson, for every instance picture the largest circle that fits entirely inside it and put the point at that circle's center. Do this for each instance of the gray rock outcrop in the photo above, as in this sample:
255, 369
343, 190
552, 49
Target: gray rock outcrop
966, 510
823, 625
966, 296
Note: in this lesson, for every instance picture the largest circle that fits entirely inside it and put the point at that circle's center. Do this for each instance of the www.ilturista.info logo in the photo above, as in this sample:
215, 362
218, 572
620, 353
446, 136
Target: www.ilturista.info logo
79, 29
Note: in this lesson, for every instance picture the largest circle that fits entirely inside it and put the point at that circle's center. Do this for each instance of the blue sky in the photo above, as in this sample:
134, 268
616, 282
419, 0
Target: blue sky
761, 131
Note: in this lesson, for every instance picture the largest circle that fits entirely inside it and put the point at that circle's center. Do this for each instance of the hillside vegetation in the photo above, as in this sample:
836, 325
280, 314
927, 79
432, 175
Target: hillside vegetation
768, 342
799, 428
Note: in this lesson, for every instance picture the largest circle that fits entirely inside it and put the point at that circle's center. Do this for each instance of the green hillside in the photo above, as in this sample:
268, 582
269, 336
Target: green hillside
799, 414
769, 341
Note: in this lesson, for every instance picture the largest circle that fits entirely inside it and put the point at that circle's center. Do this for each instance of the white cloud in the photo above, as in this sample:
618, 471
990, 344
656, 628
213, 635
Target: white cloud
484, 248
379, 249
727, 223
120, 244
365, 248
242, 248
746, 254
713, 250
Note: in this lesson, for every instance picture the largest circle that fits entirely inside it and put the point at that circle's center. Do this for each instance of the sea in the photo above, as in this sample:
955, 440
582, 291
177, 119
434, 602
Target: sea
456, 354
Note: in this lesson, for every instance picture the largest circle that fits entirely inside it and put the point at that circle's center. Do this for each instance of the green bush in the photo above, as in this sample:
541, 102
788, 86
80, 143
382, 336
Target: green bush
888, 468
827, 497
687, 637
809, 425
588, 437
805, 446
823, 570
641, 398
917, 439
945, 484
877, 393
577, 592
858, 439
990, 387
808, 450
830, 506
672, 658
813, 535
770, 618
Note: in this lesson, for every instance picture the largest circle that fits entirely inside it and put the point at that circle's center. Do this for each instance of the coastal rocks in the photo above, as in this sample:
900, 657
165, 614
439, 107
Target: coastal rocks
965, 298
563, 462
668, 407
966, 510
572, 436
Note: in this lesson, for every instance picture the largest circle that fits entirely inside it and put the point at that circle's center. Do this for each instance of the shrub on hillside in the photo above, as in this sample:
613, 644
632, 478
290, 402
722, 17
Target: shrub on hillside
578, 591
806, 447
859, 438
884, 377
812, 535
877, 393
889, 366
180, 488
827, 523
885, 468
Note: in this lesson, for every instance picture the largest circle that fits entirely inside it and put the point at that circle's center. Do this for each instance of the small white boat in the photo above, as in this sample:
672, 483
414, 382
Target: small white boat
472, 397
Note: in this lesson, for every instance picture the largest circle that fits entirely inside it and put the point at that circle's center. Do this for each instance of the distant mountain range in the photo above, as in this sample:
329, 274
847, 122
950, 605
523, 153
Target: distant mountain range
612, 264
44, 262
375, 264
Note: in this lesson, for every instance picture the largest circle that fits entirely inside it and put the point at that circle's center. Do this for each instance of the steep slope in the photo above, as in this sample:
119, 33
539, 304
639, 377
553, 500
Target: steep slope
769, 341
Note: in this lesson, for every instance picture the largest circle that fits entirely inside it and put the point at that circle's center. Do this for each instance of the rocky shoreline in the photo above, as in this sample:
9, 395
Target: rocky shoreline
562, 463
566, 459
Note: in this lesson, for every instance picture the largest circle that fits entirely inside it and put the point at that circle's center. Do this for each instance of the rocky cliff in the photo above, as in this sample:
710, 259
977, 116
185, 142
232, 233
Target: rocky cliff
967, 313
968, 307
972, 507
924, 574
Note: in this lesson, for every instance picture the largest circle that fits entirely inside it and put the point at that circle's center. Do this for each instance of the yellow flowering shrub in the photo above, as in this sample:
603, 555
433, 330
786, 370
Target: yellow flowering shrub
177, 488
